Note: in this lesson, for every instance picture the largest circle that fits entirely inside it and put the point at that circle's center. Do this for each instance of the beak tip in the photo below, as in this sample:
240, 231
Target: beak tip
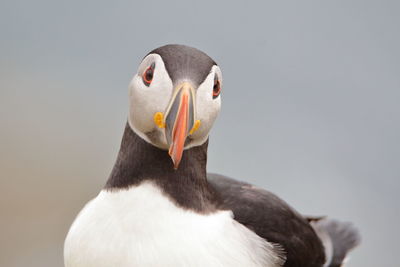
176, 164
175, 160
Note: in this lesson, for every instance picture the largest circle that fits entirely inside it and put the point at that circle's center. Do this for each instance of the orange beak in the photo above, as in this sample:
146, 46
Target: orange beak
179, 121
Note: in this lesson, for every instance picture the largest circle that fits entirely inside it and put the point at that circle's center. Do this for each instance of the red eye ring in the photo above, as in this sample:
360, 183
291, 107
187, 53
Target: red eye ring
216, 88
148, 74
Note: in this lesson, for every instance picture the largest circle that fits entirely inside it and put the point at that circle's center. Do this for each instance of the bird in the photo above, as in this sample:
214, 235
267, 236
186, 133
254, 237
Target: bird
160, 206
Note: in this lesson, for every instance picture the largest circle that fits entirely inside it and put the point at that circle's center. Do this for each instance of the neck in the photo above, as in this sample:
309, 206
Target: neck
139, 161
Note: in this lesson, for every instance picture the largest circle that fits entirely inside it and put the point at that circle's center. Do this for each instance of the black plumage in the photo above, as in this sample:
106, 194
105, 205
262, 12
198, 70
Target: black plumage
182, 62
140, 161
271, 218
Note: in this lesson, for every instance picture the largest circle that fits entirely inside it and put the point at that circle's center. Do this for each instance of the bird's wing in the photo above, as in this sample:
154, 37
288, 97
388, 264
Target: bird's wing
271, 218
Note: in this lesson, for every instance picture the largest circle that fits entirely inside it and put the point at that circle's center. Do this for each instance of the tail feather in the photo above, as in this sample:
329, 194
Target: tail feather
338, 238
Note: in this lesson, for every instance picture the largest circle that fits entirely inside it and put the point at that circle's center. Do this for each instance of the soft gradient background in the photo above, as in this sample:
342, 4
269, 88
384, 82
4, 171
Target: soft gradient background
310, 108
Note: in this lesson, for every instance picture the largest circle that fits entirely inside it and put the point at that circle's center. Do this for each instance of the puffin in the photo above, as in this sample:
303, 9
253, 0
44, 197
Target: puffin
160, 207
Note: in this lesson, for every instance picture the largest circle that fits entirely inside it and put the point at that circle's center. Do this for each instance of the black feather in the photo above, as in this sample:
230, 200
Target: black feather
271, 218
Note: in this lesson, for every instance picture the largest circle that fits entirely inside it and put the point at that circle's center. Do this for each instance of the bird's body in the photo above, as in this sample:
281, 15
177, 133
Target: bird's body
143, 218
140, 226
158, 212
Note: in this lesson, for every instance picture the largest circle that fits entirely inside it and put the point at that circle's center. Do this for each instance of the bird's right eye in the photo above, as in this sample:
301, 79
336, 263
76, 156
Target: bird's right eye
217, 87
147, 75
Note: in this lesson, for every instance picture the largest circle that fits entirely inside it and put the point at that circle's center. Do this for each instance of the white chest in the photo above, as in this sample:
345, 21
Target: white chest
142, 227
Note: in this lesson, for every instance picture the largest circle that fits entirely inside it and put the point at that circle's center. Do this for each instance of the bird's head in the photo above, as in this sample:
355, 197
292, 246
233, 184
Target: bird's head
175, 98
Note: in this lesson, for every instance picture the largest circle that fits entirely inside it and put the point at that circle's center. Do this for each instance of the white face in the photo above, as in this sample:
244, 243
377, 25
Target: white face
147, 99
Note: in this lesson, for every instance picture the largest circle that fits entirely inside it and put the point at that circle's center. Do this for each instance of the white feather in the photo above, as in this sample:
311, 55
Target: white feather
145, 101
142, 227
207, 108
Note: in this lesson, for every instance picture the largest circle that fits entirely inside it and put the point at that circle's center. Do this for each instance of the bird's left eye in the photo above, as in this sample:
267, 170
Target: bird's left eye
217, 87
147, 76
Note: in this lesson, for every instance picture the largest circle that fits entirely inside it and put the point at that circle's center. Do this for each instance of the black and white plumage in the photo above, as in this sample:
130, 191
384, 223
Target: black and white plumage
155, 211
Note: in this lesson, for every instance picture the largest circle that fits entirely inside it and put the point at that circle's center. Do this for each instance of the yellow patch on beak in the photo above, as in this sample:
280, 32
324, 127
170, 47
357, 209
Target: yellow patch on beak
159, 119
195, 126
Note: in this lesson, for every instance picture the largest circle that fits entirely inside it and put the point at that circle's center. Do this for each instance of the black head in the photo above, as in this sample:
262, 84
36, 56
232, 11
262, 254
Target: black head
182, 62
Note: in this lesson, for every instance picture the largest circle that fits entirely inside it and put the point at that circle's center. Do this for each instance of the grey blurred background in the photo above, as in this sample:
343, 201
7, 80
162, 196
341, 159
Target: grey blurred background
310, 108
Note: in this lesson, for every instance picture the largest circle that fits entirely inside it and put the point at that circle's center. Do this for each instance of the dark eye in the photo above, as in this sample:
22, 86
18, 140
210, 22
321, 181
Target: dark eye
148, 75
216, 88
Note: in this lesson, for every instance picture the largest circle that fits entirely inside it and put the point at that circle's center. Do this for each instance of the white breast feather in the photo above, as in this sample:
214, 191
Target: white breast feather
142, 227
